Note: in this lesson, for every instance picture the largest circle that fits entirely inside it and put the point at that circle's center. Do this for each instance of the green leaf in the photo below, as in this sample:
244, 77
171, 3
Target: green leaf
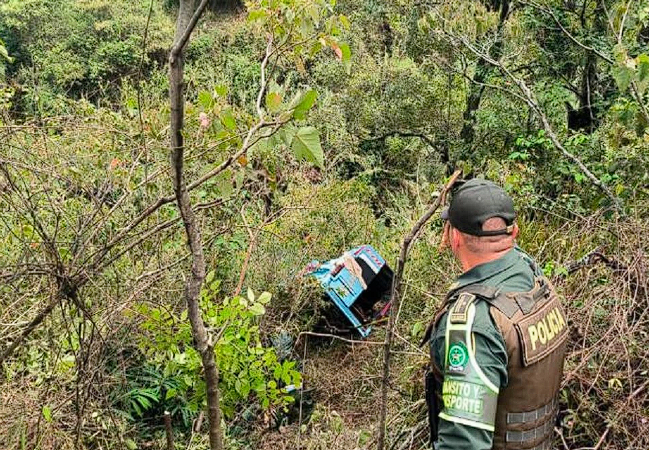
344, 21
519, 155
273, 101
5, 54
251, 295
258, 385
285, 135
257, 309
643, 67
623, 76
315, 48
416, 329
228, 121
245, 388
620, 53
221, 90
256, 15
260, 147
346, 53
130, 444
306, 146
205, 99
28, 231
136, 408
239, 179
223, 184
209, 277
364, 437
304, 104
314, 13
643, 72
264, 298
47, 413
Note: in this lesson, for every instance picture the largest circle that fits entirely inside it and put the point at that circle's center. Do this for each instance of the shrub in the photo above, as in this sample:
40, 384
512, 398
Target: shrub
246, 367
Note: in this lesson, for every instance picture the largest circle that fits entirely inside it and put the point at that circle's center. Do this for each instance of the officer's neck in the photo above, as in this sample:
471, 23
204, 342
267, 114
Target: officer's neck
469, 260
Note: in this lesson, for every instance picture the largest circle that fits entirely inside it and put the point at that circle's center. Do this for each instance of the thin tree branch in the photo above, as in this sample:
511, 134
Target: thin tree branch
339, 338
155, 230
626, 12
395, 299
260, 95
35, 322
162, 269
180, 43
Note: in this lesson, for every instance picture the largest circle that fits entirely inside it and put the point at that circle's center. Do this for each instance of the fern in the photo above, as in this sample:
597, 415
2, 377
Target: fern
142, 400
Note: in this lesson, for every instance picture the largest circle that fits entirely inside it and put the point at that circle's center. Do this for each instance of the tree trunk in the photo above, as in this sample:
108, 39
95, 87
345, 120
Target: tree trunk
187, 18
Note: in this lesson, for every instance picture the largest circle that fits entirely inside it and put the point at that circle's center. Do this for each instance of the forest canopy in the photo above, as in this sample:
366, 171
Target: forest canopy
165, 181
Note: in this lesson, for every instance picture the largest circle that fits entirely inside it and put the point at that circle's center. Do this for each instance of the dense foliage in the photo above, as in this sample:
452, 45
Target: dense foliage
365, 107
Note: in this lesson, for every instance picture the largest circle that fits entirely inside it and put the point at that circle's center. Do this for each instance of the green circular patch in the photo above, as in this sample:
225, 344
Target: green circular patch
458, 356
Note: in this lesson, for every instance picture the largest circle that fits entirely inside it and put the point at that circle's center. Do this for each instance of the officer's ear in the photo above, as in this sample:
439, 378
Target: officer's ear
515, 231
455, 239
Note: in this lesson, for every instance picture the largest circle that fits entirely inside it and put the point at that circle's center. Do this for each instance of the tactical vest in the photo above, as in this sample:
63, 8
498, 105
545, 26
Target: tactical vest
535, 330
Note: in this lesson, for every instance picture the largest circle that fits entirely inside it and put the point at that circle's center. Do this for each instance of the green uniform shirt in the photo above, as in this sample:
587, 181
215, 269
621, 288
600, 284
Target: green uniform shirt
512, 272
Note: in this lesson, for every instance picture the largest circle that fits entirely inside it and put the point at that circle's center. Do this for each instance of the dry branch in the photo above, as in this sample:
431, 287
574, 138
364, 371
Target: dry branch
35, 322
339, 338
395, 299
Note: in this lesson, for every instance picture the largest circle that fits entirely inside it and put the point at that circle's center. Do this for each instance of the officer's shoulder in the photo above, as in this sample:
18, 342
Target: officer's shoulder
459, 307
530, 263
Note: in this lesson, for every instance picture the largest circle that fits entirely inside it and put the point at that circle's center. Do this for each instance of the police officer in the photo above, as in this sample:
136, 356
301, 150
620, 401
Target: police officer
498, 343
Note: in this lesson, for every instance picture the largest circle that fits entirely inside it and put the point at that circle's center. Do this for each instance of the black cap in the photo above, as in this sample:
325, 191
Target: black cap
476, 201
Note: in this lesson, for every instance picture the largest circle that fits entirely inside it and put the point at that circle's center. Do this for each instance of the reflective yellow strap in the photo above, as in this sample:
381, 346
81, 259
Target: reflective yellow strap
471, 351
467, 422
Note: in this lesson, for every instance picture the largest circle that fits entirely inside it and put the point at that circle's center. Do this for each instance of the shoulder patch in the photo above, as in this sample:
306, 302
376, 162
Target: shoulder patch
460, 310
